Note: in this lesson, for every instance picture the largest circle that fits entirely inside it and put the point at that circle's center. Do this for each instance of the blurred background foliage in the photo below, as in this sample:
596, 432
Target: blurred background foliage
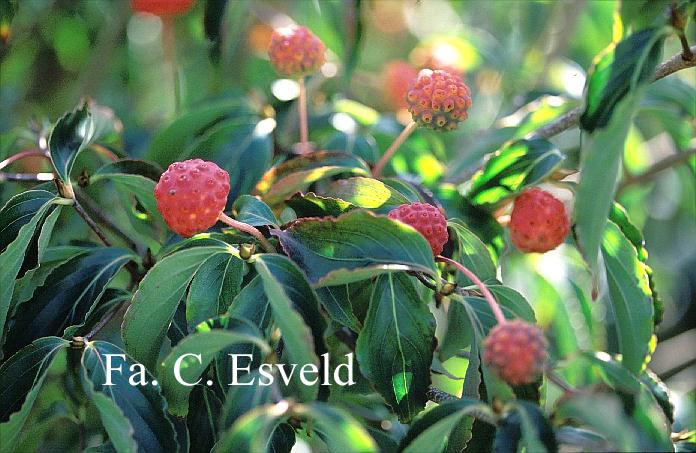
525, 62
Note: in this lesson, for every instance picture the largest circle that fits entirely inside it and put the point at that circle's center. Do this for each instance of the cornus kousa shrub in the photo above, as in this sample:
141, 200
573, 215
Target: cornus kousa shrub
227, 246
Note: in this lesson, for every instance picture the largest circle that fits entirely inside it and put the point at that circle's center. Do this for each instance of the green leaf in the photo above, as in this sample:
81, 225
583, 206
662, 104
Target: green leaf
21, 379
340, 432
206, 344
619, 71
216, 283
168, 144
313, 205
290, 304
436, 429
639, 14
202, 419
395, 346
154, 304
360, 191
338, 251
431, 430
601, 161
619, 216
337, 302
520, 164
612, 424
630, 296
67, 296
252, 210
297, 174
241, 399
525, 427
362, 145
458, 333
472, 253
19, 219
134, 416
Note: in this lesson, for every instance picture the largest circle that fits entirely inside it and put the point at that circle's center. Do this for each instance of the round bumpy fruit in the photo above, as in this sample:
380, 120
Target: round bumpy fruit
191, 195
538, 222
427, 220
296, 52
162, 7
438, 100
515, 351
398, 74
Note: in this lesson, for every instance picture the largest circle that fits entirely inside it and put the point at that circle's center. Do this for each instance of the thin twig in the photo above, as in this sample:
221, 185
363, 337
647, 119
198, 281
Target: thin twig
304, 127
379, 166
102, 217
571, 118
241, 226
105, 320
495, 308
91, 223
657, 167
439, 396
26, 177
22, 155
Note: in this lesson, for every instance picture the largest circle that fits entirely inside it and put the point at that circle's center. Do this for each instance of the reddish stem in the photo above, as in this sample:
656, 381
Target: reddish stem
22, 155
410, 127
304, 127
246, 228
497, 312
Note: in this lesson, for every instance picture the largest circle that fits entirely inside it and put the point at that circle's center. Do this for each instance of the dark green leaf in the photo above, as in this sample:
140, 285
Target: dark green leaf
134, 416
525, 426
147, 319
21, 379
361, 145
472, 253
619, 71
631, 301
206, 344
202, 419
279, 275
313, 205
297, 174
361, 192
67, 296
337, 302
241, 399
338, 251
216, 283
520, 164
253, 211
395, 346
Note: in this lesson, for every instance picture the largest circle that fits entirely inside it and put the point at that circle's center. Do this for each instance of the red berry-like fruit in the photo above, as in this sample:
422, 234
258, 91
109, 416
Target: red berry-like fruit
162, 7
398, 74
515, 351
438, 100
538, 222
296, 52
191, 195
427, 220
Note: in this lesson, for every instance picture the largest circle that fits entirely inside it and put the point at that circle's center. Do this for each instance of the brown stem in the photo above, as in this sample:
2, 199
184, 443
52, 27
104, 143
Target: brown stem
658, 167
687, 54
22, 155
571, 118
105, 320
246, 228
495, 308
88, 205
304, 127
377, 171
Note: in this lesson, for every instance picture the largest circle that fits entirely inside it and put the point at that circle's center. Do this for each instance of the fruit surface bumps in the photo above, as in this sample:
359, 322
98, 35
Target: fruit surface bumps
438, 100
296, 52
427, 220
162, 7
191, 195
398, 75
515, 352
539, 222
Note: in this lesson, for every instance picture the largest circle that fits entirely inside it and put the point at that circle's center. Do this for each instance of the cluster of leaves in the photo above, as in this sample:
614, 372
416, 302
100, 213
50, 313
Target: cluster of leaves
347, 280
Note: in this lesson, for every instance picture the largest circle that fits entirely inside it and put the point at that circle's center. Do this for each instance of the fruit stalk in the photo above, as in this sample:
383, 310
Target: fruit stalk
497, 312
304, 128
410, 127
246, 228
169, 55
